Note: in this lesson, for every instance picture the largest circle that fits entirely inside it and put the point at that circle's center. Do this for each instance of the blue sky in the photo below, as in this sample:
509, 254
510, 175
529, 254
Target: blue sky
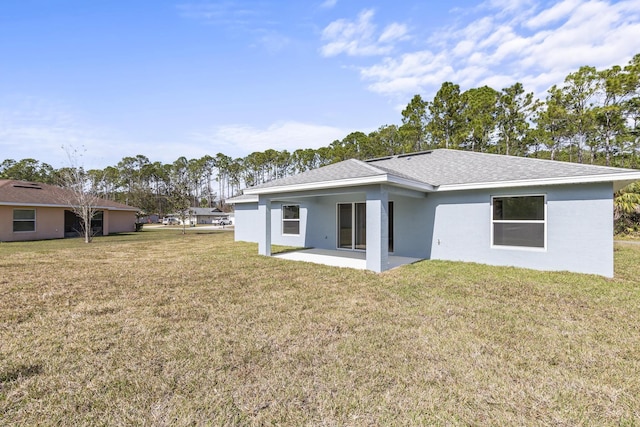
191, 77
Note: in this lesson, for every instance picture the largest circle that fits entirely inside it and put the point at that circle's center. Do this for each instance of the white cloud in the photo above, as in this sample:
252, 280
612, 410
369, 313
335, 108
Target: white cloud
393, 32
476, 31
409, 73
464, 47
597, 34
554, 14
39, 128
499, 35
510, 6
239, 140
274, 42
328, 4
509, 41
229, 13
358, 38
43, 129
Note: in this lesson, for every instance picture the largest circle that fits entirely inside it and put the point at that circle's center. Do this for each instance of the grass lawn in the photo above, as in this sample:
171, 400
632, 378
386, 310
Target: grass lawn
157, 328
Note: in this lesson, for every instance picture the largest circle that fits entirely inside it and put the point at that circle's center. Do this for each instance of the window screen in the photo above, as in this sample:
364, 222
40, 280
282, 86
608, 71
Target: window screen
24, 220
519, 221
290, 219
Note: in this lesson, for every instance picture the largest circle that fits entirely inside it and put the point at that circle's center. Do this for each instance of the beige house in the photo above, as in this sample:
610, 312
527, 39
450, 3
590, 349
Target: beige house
35, 211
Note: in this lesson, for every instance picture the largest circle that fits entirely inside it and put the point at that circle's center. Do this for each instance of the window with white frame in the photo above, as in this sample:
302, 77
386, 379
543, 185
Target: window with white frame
291, 219
519, 221
24, 220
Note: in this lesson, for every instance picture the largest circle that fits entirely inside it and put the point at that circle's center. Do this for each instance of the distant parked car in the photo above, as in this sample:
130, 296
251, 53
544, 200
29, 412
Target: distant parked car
169, 220
222, 222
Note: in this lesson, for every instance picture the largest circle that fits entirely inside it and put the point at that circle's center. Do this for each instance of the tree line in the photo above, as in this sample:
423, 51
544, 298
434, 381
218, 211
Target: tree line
592, 117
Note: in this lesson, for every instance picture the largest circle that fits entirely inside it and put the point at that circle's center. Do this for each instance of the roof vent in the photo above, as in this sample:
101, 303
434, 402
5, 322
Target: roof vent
27, 185
378, 159
419, 153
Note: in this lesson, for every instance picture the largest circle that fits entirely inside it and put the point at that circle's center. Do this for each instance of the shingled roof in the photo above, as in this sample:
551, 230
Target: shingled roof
449, 170
23, 193
454, 167
348, 169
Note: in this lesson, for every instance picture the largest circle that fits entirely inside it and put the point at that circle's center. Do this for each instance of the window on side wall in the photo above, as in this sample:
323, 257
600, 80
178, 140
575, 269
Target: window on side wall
519, 221
291, 219
24, 220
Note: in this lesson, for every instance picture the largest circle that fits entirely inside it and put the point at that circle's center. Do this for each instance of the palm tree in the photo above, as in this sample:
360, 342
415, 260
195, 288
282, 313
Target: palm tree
626, 210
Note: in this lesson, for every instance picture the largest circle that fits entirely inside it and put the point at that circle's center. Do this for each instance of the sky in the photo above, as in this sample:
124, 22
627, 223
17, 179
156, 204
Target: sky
107, 79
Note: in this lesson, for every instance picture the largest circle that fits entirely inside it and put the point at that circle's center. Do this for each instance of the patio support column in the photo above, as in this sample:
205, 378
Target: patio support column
264, 229
377, 229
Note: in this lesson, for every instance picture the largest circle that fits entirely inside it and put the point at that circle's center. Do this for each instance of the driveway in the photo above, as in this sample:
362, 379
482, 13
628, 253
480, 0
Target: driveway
198, 227
631, 242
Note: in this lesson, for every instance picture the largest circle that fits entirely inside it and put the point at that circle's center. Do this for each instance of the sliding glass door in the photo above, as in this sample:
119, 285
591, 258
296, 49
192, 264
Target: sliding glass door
352, 226
345, 225
360, 232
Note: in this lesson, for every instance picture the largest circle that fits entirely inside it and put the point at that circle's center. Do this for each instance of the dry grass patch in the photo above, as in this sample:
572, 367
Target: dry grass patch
163, 329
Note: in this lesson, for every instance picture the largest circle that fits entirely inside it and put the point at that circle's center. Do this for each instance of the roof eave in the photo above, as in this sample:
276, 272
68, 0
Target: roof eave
618, 178
320, 185
237, 200
338, 183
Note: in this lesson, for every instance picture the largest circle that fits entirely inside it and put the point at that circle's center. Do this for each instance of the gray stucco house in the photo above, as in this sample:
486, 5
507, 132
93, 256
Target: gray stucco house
446, 205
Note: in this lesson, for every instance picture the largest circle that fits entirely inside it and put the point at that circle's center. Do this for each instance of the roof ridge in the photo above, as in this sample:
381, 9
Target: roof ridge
368, 166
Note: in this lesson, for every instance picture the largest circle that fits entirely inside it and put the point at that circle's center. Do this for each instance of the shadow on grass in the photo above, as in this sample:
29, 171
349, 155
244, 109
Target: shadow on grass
22, 371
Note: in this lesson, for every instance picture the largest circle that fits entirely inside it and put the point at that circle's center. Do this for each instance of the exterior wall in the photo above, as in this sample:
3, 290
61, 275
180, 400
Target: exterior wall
277, 238
119, 222
412, 223
317, 221
246, 222
413, 226
457, 226
248, 226
323, 228
579, 227
49, 224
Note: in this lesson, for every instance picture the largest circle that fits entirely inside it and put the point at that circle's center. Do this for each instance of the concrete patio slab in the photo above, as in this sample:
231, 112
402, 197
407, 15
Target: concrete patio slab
336, 258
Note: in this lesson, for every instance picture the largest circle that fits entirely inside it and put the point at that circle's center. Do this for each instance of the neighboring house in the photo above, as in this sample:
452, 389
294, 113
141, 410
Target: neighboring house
446, 205
34, 211
207, 215
203, 216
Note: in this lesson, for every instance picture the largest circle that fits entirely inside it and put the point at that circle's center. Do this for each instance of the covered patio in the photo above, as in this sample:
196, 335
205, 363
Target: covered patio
347, 227
339, 258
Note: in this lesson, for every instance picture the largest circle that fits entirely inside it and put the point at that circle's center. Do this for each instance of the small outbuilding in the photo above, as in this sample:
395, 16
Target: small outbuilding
36, 211
443, 204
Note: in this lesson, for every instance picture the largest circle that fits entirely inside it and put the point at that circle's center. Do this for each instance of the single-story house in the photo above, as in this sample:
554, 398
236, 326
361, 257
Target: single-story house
203, 216
35, 211
446, 205
206, 215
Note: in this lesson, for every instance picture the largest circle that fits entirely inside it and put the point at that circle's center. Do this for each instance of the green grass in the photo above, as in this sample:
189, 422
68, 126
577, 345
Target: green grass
157, 328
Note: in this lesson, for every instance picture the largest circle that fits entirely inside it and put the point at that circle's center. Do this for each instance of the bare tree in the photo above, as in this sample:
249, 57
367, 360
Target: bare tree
80, 194
179, 196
